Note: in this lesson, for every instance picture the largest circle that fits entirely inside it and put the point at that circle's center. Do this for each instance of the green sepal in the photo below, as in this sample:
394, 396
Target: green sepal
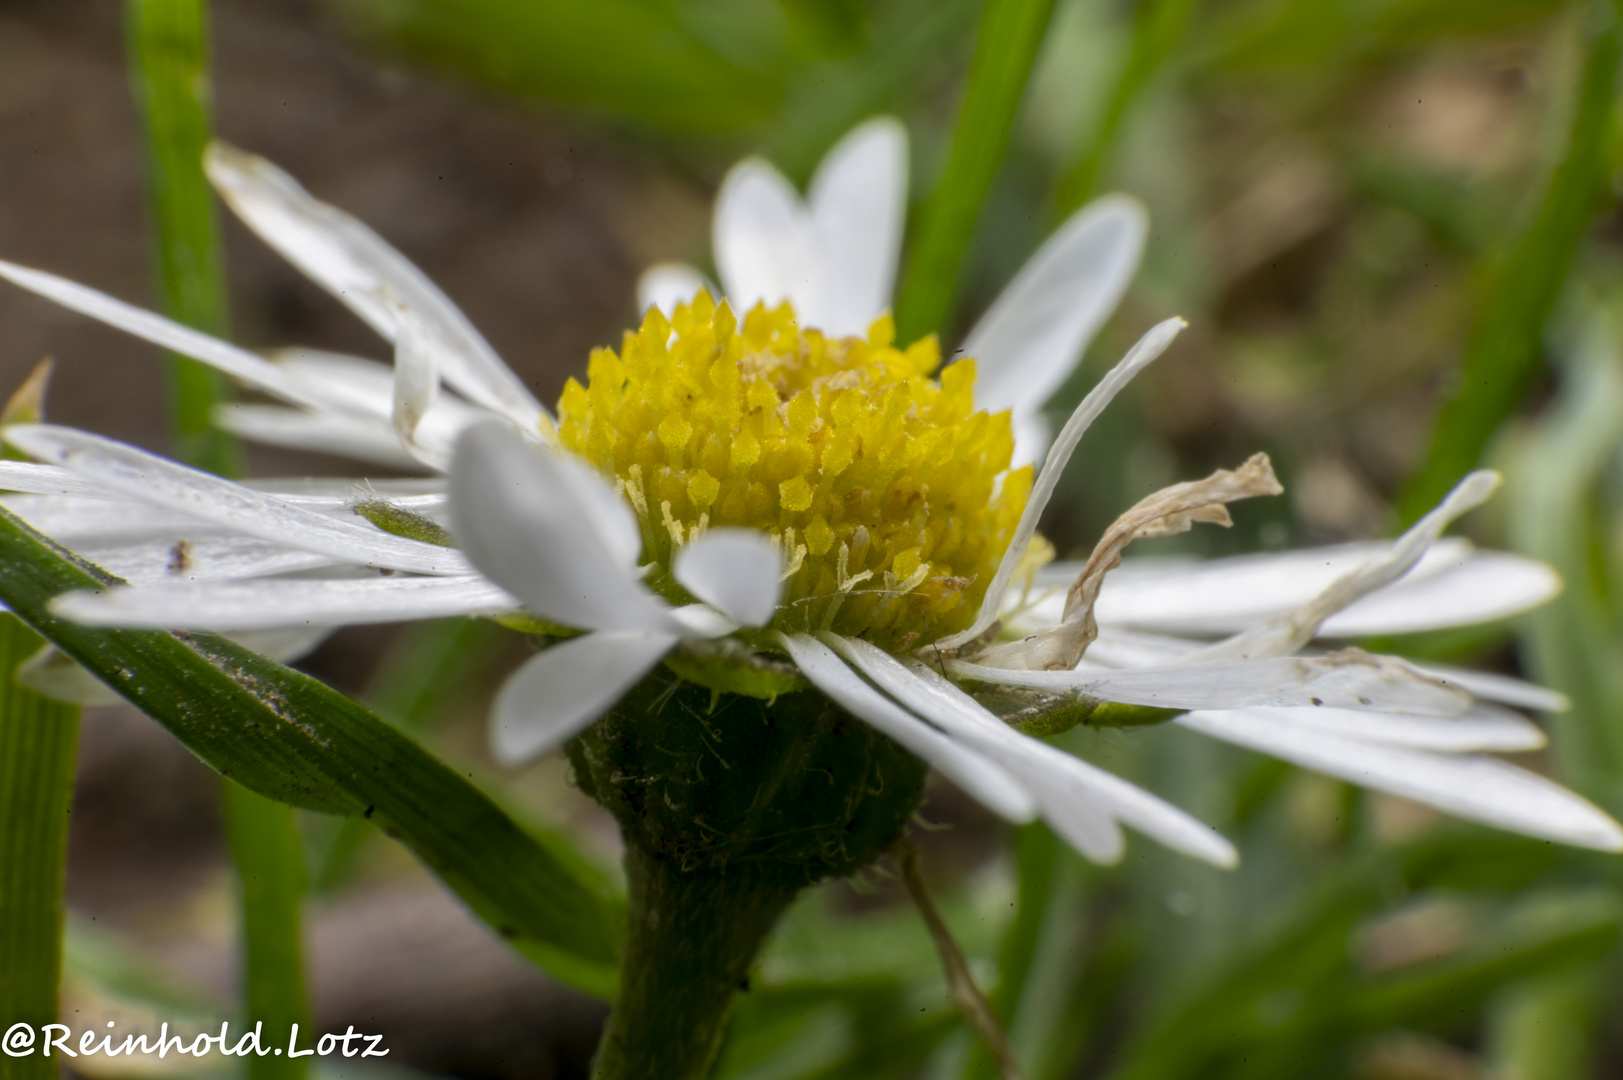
293, 739
525, 623
726, 666
402, 522
1041, 714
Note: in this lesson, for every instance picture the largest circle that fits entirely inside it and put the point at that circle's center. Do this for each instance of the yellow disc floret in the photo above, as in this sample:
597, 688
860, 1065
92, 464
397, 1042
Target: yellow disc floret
889, 495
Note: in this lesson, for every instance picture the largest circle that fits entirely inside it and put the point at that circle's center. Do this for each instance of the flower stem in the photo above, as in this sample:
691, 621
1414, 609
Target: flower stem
37, 742
693, 936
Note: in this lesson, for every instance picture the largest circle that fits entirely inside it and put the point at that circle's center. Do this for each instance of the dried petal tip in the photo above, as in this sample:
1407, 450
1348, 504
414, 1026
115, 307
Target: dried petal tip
27, 403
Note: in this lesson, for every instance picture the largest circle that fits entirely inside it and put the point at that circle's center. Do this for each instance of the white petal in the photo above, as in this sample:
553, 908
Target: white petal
1501, 688
858, 205
163, 483
1150, 346
1481, 788
1289, 632
49, 480
204, 558
1491, 585
238, 363
538, 523
268, 603
558, 693
363, 272
1381, 683
665, 285
1226, 595
989, 783
1032, 337
736, 570
763, 240
1071, 793
416, 374
1032, 434
73, 521
1482, 727
358, 437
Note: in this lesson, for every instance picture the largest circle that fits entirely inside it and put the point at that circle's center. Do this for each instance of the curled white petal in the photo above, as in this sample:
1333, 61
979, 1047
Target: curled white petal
556, 694
990, 784
1480, 788
735, 570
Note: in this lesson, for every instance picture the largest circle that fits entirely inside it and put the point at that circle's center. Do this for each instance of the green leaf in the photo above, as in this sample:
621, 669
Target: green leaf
1504, 352
37, 742
1005, 50
295, 740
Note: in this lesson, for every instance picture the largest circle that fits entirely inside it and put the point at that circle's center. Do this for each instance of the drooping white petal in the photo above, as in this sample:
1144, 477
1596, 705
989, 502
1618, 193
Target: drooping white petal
1034, 334
240, 364
532, 521
1289, 632
858, 205
556, 694
736, 570
1480, 788
1483, 727
49, 480
163, 483
268, 603
1150, 346
665, 285
764, 241
363, 272
1381, 683
990, 784
204, 558
1071, 793
362, 438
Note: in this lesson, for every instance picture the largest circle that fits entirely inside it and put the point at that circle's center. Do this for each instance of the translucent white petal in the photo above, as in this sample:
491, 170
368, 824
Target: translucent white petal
539, 523
558, 693
1032, 433
1490, 686
1491, 585
363, 272
858, 205
990, 784
416, 374
347, 383
1071, 793
268, 603
664, 285
1220, 596
1150, 346
736, 570
163, 483
1483, 727
362, 438
238, 363
764, 242
74, 521
204, 558
49, 480
1034, 334
1481, 788
1380, 683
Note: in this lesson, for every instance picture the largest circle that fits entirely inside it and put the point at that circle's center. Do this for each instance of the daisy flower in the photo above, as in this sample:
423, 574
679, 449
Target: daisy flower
769, 509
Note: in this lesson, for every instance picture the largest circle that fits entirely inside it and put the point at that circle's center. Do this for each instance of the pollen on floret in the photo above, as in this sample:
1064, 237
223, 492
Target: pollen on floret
890, 497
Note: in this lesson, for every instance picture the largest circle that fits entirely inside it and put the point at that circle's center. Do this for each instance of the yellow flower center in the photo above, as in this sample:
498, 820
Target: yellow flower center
889, 495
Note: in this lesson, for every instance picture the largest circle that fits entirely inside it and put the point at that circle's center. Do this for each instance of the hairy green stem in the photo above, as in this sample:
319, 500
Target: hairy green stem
38, 737
693, 935
1006, 47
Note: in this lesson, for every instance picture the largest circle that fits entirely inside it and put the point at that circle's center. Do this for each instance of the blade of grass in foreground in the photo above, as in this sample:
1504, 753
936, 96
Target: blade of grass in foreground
1503, 354
37, 742
290, 738
1005, 49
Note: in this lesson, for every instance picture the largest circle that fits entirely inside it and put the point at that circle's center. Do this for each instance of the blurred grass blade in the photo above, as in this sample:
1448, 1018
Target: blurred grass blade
1011, 32
38, 738
1158, 26
1546, 1027
290, 738
168, 47
1503, 353
270, 871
